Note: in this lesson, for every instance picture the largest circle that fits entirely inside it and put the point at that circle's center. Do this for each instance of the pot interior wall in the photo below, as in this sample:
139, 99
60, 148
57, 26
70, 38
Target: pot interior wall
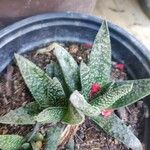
38, 31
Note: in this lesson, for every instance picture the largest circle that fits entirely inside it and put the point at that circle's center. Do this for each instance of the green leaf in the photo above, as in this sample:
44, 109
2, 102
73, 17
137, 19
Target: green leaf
69, 68
85, 80
50, 69
80, 103
141, 89
23, 115
51, 114
70, 72
115, 92
117, 129
54, 70
47, 92
33, 108
53, 136
58, 73
11, 142
73, 116
105, 88
100, 57
70, 145
61, 99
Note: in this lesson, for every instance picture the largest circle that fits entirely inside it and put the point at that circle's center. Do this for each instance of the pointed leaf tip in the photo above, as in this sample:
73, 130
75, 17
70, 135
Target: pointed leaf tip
140, 89
47, 92
104, 24
16, 56
113, 126
69, 68
100, 57
22, 115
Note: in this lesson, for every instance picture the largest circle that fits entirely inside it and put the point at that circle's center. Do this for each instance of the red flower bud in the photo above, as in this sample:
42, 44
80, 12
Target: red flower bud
120, 66
87, 46
95, 88
106, 112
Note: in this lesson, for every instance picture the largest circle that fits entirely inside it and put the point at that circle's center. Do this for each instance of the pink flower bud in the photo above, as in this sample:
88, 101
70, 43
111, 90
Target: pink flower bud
87, 46
120, 66
95, 88
106, 112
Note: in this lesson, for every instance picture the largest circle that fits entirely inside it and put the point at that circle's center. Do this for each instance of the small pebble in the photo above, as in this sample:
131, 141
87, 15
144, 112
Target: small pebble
73, 48
116, 141
79, 58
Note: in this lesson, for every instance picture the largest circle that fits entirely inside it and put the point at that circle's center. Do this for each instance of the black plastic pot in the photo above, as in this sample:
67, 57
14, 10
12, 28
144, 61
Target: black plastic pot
38, 31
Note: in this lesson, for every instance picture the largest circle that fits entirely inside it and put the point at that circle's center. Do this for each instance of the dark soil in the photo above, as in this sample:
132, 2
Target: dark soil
14, 93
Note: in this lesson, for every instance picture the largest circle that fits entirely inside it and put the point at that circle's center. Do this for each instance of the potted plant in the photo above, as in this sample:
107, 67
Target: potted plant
57, 97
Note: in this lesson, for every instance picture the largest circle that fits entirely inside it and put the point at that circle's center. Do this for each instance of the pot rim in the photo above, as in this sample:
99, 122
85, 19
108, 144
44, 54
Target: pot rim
127, 37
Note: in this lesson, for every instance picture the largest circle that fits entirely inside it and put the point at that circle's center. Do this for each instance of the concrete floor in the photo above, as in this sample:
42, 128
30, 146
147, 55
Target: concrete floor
127, 14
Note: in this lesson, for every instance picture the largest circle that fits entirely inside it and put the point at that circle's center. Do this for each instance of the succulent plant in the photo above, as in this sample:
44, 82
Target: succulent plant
67, 92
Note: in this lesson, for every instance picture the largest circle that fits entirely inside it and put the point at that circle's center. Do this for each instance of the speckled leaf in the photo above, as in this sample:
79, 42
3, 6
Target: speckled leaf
80, 103
59, 74
117, 129
33, 108
51, 114
11, 142
53, 136
47, 92
85, 80
54, 70
141, 89
71, 144
22, 115
69, 68
100, 57
105, 88
73, 116
61, 99
112, 95
50, 69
